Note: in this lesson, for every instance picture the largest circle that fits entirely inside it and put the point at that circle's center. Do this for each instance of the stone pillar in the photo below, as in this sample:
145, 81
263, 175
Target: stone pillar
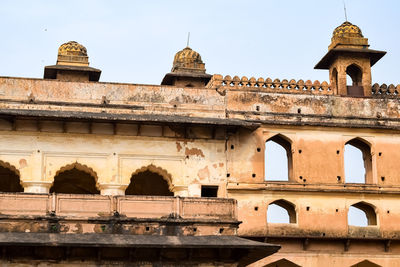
112, 189
41, 187
342, 81
366, 78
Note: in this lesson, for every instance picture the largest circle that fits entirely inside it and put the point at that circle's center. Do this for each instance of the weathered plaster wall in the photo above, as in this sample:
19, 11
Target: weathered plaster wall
138, 99
317, 215
317, 124
113, 159
317, 154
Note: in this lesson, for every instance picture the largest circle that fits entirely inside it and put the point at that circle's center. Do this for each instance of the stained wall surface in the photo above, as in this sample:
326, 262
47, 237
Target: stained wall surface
216, 136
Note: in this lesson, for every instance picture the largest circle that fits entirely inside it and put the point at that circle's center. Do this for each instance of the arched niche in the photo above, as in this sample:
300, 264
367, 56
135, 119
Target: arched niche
278, 159
362, 214
150, 181
75, 178
358, 161
9, 178
356, 75
281, 211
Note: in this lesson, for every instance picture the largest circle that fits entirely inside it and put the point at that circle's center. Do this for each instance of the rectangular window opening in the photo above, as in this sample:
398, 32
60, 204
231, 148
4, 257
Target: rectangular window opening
209, 191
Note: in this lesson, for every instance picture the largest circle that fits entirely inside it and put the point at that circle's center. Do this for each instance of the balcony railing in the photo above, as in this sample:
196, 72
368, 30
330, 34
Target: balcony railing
84, 206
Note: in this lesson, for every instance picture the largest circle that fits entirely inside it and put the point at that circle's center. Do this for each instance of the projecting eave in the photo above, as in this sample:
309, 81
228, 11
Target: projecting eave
325, 62
169, 77
244, 251
50, 72
157, 119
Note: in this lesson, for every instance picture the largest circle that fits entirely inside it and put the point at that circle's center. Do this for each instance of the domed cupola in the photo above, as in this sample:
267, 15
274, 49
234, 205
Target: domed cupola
347, 29
188, 70
188, 60
349, 54
348, 35
72, 53
72, 65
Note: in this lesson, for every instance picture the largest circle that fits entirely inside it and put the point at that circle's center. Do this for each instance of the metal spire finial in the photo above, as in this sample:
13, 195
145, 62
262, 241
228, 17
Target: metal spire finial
345, 11
188, 39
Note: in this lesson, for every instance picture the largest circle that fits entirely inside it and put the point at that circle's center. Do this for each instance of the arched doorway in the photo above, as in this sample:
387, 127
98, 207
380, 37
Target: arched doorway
74, 181
148, 183
9, 179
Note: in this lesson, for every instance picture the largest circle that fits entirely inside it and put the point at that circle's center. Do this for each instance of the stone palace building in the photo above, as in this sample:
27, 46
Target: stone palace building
180, 174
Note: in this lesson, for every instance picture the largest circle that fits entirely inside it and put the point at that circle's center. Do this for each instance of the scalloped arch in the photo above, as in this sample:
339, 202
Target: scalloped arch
160, 171
78, 166
7, 165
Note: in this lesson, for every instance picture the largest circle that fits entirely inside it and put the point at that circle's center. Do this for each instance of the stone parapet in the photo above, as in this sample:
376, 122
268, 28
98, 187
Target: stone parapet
385, 90
221, 84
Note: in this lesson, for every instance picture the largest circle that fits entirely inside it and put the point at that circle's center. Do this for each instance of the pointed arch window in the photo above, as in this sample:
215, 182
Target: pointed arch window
281, 211
362, 214
357, 161
278, 159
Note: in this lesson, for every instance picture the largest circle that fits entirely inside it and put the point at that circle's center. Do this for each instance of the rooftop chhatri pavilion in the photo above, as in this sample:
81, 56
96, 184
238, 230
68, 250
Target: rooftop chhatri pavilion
72, 65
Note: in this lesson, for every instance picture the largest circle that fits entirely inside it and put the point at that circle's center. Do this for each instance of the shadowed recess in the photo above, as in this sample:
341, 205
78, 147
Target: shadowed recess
9, 181
282, 263
148, 183
365, 263
74, 181
355, 74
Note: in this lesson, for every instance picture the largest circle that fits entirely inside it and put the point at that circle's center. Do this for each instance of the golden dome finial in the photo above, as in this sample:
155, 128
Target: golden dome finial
72, 53
188, 60
348, 35
347, 29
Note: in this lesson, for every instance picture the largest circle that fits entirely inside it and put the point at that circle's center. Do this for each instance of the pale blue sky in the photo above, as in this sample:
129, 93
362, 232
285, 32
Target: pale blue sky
135, 41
